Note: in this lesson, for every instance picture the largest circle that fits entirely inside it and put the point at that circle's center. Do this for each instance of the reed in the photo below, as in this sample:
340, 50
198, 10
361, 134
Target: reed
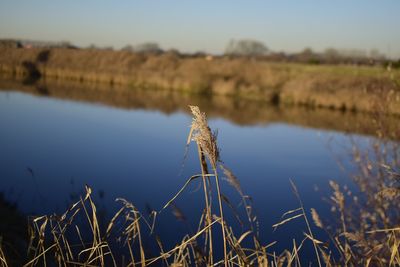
3, 260
367, 233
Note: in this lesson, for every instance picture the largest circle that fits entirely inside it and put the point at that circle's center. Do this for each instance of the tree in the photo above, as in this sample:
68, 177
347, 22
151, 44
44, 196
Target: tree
375, 54
148, 48
246, 48
307, 52
331, 54
128, 48
308, 56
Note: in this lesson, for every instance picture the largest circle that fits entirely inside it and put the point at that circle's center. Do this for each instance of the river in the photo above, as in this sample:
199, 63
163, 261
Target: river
131, 144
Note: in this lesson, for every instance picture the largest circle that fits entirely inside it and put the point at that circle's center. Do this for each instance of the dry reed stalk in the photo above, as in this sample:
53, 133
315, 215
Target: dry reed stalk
310, 233
339, 199
222, 218
206, 141
234, 181
132, 231
94, 254
184, 243
302, 214
204, 172
3, 261
316, 218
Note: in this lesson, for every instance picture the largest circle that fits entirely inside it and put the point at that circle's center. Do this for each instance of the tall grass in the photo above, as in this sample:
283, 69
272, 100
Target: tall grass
367, 232
369, 218
3, 260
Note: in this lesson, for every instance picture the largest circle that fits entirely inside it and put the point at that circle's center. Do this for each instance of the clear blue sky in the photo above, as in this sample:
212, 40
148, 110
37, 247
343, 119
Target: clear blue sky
208, 25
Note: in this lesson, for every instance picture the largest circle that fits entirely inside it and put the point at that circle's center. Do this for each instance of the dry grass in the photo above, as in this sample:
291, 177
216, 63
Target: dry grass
3, 260
338, 87
367, 232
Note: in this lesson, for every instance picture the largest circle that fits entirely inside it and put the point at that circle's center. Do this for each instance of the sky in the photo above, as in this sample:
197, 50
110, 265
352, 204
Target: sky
208, 25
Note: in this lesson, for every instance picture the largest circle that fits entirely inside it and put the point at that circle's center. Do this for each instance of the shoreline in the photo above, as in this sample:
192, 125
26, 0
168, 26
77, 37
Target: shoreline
337, 87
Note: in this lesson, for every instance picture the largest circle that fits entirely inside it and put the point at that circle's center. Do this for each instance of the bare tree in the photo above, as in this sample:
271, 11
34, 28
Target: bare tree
246, 48
148, 48
128, 48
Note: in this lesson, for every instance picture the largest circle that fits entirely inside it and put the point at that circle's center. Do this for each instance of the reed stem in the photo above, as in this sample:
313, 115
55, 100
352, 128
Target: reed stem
204, 171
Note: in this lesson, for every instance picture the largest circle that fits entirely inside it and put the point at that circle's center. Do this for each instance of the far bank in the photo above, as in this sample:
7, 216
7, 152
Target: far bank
342, 87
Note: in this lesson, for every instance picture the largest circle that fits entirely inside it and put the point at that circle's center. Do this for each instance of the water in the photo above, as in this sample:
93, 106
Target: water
51, 147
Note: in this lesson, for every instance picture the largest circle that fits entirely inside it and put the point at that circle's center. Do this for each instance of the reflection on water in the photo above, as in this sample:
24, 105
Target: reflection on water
52, 148
242, 112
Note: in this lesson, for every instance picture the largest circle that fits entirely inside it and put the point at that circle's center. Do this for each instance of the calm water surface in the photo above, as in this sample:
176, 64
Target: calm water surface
51, 148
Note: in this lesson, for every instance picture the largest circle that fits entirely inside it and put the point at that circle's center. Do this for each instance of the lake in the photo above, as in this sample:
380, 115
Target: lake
131, 144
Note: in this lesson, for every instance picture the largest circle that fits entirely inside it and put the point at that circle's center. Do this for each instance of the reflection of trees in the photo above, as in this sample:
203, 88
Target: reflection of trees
240, 111
32, 67
43, 56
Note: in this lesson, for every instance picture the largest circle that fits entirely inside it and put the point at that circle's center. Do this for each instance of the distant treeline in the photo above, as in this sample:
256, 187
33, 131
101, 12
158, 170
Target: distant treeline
237, 48
244, 76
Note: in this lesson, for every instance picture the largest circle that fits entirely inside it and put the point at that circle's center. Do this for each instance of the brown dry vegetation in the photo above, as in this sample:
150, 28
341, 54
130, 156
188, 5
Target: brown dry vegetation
337, 87
369, 218
367, 231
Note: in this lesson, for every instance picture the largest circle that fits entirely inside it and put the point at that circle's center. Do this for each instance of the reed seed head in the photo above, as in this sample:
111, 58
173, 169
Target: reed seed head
202, 135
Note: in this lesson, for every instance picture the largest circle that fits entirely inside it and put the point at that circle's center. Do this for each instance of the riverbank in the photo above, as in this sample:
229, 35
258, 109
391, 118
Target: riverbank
341, 87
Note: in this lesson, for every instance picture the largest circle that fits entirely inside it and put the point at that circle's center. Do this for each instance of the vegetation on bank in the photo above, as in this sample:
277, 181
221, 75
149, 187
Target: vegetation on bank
344, 87
366, 232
